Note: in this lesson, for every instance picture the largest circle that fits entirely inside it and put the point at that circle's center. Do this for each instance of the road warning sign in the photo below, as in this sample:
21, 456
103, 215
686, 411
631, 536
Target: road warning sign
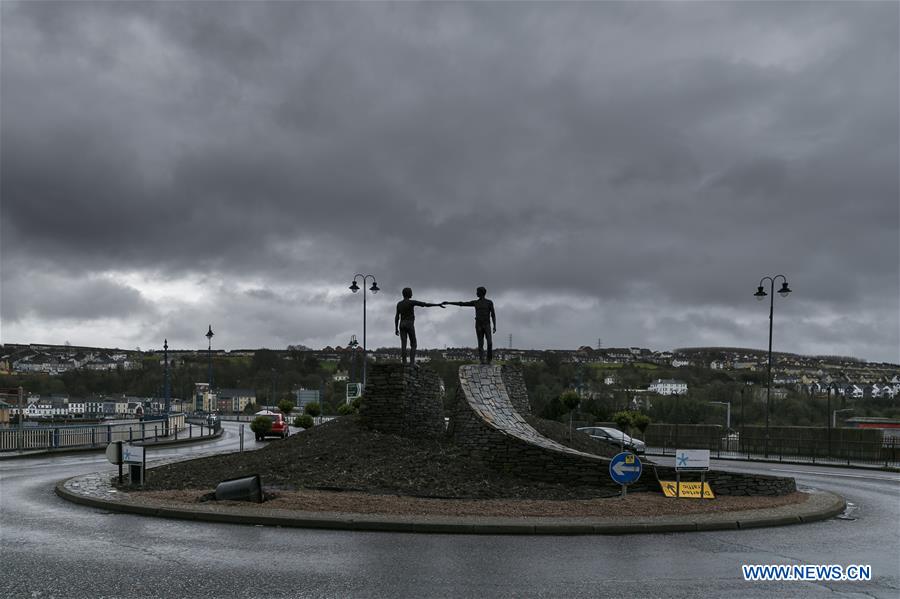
686, 490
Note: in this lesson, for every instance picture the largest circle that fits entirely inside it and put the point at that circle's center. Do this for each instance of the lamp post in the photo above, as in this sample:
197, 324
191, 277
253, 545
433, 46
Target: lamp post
374, 289
760, 295
209, 336
167, 393
727, 405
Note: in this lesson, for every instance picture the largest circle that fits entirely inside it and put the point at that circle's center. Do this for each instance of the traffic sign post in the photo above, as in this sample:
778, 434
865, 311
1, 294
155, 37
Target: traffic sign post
136, 458
625, 468
114, 455
691, 460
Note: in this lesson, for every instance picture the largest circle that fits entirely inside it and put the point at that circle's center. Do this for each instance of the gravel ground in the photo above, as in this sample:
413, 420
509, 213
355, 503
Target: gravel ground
635, 504
341, 455
341, 466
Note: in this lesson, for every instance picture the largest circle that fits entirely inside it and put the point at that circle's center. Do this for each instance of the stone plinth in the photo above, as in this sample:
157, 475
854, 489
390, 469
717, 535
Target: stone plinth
403, 400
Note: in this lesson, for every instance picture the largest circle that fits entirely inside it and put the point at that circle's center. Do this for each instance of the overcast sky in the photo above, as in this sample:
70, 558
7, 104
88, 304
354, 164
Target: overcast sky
622, 172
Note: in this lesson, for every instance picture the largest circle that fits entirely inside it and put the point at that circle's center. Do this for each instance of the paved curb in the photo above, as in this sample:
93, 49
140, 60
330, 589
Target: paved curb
68, 450
819, 506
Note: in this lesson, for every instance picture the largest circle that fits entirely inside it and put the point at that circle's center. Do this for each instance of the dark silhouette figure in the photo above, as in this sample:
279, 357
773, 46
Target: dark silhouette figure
405, 323
484, 316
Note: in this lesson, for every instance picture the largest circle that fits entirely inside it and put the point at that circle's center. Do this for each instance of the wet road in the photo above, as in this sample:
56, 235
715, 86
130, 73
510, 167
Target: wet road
52, 548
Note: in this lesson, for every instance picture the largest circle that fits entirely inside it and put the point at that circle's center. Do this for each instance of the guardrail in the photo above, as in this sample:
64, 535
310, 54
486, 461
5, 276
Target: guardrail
800, 450
81, 436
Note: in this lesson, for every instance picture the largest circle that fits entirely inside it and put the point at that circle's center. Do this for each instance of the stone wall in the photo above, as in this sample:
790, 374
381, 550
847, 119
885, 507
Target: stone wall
515, 389
403, 400
486, 420
734, 483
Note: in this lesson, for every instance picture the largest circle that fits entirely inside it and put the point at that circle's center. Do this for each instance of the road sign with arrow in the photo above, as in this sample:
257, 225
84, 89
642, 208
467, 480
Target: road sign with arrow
625, 468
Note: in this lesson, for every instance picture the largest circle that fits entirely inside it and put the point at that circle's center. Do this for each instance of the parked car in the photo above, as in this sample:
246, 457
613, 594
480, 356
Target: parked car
614, 438
279, 425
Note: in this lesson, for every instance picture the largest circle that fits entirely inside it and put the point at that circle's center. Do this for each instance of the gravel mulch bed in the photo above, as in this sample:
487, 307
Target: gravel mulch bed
633, 505
342, 455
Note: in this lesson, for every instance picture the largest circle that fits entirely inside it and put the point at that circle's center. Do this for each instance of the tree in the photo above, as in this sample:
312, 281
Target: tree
304, 421
285, 405
570, 400
260, 426
640, 422
313, 409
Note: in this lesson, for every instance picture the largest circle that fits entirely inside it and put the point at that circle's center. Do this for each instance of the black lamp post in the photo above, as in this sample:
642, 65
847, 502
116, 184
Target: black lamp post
374, 289
209, 379
760, 295
167, 393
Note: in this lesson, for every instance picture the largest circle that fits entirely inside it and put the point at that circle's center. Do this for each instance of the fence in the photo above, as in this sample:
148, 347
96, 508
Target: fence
73, 436
813, 449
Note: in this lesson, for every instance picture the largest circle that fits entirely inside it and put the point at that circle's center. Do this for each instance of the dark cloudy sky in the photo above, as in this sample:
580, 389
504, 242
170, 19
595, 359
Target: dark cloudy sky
622, 171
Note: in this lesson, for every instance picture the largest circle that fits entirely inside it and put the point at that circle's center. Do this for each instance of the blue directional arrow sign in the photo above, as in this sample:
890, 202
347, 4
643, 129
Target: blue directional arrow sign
625, 468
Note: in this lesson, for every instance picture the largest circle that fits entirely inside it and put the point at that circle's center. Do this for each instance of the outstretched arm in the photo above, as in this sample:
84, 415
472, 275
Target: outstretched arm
471, 303
428, 305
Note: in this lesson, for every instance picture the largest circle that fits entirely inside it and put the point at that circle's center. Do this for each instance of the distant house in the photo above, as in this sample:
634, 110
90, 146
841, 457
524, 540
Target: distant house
668, 387
680, 363
234, 400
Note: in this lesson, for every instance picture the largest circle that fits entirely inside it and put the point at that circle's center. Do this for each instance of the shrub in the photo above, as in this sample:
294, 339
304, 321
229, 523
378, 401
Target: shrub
345, 408
285, 405
261, 425
640, 422
313, 409
570, 399
623, 420
304, 421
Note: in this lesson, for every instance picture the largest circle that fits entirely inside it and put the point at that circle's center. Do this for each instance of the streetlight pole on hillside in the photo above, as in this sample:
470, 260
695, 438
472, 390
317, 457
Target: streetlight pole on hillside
209, 379
374, 289
760, 295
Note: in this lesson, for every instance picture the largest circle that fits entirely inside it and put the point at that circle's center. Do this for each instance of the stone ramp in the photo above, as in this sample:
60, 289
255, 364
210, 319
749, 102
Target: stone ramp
487, 420
484, 389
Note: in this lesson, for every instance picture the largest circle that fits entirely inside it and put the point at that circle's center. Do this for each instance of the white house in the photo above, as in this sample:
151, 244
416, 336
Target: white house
668, 387
680, 363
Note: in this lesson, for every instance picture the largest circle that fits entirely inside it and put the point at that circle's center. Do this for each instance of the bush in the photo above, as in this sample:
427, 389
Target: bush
304, 421
345, 409
570, 399
623, 420
261, 425
313, 409
640, 422
285, 405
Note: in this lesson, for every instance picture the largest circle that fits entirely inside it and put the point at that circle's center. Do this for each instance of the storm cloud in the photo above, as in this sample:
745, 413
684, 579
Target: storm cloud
624, 171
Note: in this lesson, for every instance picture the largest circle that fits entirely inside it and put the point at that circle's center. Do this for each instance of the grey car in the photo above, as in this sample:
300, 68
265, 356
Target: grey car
615, 438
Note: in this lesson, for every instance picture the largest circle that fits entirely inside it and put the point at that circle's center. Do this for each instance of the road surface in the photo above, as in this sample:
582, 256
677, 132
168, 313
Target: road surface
52, 548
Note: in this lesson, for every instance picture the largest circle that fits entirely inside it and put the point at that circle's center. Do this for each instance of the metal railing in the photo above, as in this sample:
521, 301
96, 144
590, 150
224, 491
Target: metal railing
812, 451
83, 436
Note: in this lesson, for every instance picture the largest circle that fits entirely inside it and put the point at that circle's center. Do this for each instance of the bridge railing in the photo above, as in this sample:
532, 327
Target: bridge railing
97, 435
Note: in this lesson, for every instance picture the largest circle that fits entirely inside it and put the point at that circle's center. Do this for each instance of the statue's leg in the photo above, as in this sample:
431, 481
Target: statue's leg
412, 345
490, 343
479, 332
403, 335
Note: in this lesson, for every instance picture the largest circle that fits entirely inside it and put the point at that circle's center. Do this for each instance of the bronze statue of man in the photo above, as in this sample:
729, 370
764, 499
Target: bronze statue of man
405, 323
484, 316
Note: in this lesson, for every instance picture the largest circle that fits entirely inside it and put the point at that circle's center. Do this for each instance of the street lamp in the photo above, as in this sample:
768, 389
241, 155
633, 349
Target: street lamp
760, 295
727, 405
374, 289
209, 336
167, 393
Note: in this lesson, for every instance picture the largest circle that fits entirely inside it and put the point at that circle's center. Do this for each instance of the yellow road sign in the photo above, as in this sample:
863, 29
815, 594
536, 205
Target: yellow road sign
688, 490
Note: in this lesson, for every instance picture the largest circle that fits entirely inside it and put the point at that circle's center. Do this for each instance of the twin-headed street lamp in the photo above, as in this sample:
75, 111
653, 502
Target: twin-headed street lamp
374, 289
760, 295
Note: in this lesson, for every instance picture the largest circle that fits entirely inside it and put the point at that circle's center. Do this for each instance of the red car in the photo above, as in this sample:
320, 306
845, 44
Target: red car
279, 425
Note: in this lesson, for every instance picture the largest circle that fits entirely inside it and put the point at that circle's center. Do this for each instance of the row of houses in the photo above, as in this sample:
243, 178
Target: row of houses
46, 362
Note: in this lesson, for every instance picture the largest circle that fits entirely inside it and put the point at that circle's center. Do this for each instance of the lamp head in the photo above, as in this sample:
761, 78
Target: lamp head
783, 292
760, 293
354, 287
374, 288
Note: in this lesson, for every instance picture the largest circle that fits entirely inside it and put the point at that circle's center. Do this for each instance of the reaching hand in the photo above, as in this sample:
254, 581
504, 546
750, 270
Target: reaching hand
495, 330
441, 306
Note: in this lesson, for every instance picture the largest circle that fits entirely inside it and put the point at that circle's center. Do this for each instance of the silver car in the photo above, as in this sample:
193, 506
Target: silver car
615, 438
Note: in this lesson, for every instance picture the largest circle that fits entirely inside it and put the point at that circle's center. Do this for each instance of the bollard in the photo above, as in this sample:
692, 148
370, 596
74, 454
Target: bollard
242, 438
241, 489
155, 433
190, 431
